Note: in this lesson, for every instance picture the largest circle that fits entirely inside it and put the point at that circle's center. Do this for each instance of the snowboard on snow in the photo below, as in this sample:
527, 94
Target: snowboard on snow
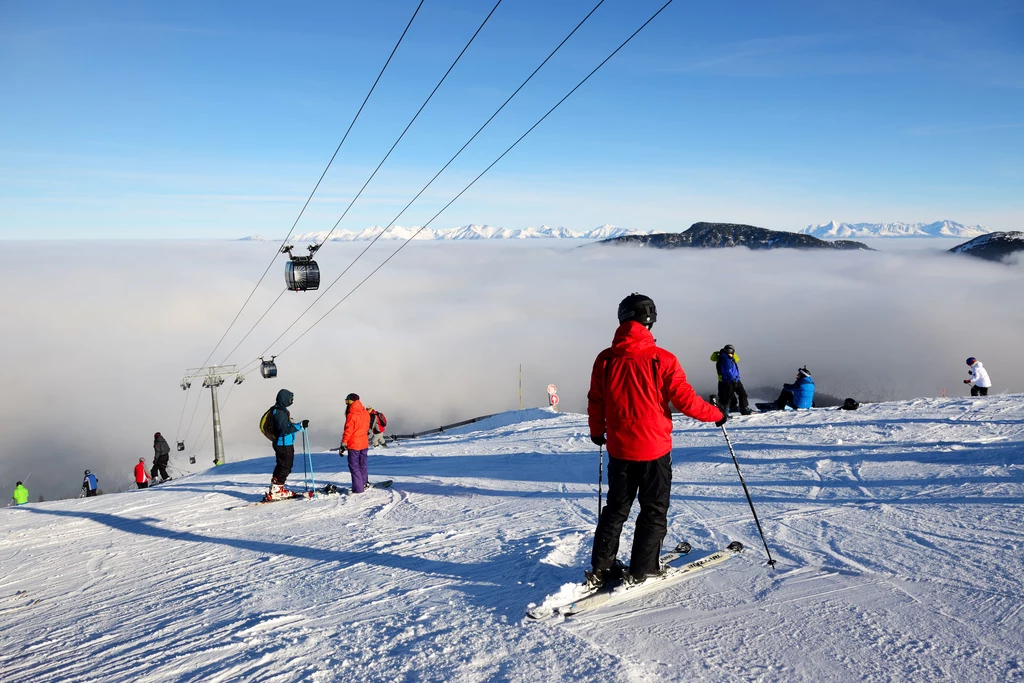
585, 599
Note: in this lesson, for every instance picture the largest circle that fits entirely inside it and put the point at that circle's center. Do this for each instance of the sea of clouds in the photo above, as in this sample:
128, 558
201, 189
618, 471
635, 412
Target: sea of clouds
98, 335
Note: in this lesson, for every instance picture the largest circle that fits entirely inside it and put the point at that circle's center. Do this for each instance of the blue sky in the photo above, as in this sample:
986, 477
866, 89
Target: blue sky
197, 119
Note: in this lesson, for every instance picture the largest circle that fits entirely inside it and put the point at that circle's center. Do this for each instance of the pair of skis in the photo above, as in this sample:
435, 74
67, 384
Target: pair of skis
585, 599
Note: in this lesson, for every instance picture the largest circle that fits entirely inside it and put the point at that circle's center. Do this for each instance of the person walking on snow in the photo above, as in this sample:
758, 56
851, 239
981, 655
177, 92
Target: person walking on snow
730, 388
355, 439
979, 378
631, 386
20, 496
284, 444
90, 484
378, 423
161, 457
142, 477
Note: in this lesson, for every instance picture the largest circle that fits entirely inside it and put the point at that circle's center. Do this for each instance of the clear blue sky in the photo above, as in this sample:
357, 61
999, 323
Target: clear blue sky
199, 119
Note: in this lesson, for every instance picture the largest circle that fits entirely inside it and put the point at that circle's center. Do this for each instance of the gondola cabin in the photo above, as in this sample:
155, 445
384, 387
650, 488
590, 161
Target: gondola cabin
268, 368
181, 445
301, 273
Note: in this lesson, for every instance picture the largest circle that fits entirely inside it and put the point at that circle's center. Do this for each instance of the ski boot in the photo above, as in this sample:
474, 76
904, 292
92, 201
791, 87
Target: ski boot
278, 492
596, 579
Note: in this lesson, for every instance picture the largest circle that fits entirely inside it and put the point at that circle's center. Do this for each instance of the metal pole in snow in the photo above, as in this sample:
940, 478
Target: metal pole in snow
600, 478
520, 386
771, 562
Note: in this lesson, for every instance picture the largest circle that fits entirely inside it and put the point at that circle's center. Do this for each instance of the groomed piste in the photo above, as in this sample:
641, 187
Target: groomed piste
897, 529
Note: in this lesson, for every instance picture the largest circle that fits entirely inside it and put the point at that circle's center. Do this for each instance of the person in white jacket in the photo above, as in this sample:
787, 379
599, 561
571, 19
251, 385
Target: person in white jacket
979, 378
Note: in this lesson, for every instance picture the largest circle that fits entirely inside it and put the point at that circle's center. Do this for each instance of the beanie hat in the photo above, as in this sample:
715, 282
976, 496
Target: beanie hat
352, 397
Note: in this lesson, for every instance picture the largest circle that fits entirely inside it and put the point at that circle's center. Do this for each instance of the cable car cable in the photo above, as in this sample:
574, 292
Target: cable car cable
322, 175
436, 175
419, 111
473, 182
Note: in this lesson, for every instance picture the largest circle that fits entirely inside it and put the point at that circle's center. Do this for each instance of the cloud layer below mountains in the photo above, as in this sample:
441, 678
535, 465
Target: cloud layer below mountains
99, 334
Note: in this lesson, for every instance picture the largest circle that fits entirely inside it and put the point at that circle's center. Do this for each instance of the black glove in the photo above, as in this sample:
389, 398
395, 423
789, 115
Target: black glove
341, 450
967, 381
725, 418
598, 439
305, 424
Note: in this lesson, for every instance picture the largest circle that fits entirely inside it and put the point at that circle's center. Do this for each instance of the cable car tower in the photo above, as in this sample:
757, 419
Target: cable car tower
213, 376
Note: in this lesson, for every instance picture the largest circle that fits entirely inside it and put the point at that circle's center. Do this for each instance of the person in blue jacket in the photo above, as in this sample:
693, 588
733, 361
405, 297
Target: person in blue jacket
284, 444
730, 388
799, 395
90, 484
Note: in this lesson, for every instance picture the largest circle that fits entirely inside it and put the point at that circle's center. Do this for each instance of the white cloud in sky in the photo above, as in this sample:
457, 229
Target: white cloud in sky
102, 331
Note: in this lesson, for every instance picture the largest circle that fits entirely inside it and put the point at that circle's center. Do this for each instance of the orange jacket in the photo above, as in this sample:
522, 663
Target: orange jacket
141, 475
630, 389
357, 427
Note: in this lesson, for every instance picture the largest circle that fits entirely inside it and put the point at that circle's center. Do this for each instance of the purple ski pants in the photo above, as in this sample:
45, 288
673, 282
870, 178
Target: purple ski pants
357, 468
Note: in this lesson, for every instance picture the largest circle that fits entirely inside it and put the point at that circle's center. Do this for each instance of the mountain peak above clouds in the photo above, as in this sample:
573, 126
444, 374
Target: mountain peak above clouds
466, 232
836, 230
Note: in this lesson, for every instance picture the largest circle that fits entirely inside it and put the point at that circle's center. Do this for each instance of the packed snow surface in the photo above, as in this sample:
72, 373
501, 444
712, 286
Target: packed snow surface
897, 529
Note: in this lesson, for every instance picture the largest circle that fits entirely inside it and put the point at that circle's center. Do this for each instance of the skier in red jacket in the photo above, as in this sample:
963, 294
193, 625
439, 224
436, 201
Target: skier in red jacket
631, 386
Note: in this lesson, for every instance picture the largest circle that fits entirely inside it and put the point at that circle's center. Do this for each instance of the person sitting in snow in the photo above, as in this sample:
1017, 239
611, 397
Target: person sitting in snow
800, 394
142, 477
356, 440
89, 484
20, 496
631, 386
979, 378
731, 394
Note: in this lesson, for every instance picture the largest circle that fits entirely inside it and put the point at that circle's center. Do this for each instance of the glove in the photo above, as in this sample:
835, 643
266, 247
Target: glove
967, 381
341, 449
305, 424
725, 418
598, 439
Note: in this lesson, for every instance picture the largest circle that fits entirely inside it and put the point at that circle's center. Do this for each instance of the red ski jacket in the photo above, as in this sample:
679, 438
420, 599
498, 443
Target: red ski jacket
141, 475
631, 386
357, 425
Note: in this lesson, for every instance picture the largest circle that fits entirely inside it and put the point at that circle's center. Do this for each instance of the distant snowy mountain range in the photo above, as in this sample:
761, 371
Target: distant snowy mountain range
834, 230
466, 232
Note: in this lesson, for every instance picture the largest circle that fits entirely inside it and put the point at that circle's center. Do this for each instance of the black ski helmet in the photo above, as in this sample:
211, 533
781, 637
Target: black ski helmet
639, 308
728, 349
87, 472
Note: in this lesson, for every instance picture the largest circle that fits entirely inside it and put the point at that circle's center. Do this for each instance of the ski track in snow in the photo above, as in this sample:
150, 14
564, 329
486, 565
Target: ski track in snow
897, 529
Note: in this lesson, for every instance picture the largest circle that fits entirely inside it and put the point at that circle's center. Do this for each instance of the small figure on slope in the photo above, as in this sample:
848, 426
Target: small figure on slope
161, 456
378, 423
730, 388
283, 430
800, 394
355, 439
142, 477
20, 496
979, 378
89, 484
631, 386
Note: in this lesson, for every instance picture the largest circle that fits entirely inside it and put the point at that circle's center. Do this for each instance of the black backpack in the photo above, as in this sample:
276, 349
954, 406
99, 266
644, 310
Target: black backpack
849, 404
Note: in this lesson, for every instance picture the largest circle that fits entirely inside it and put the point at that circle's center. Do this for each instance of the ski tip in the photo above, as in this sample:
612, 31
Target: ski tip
735, 546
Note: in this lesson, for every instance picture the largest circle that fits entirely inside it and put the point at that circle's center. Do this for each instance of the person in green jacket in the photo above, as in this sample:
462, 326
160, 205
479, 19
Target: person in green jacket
20, 494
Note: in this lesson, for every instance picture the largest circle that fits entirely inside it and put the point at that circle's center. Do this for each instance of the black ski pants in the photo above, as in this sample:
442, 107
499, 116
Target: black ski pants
285, 460
785, 399
979, 391
651, 481
728, 392
159, 467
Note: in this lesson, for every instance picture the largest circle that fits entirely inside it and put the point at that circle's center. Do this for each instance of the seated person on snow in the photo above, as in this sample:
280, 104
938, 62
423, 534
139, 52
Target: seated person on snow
799, 395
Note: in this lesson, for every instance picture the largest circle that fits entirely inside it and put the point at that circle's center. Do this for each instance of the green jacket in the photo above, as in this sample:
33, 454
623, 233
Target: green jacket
20, 495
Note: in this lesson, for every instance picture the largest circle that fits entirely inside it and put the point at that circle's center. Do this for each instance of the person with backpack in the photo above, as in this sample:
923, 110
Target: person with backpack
730, 388
20, 496
632, 385
979, 378
378, 423
277, 426
142, 477
89, 484
161, 457
356, 440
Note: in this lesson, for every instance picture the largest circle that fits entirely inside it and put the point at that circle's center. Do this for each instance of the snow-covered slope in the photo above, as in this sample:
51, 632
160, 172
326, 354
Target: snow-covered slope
834, 230
466, 232
897, 529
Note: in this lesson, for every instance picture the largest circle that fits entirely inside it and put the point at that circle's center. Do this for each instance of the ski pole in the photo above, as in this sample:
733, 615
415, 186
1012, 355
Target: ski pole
309, 458
771, 562
600, 478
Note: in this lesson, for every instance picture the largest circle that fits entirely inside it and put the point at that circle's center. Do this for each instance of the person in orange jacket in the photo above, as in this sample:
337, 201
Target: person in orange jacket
142, 477
355, 439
